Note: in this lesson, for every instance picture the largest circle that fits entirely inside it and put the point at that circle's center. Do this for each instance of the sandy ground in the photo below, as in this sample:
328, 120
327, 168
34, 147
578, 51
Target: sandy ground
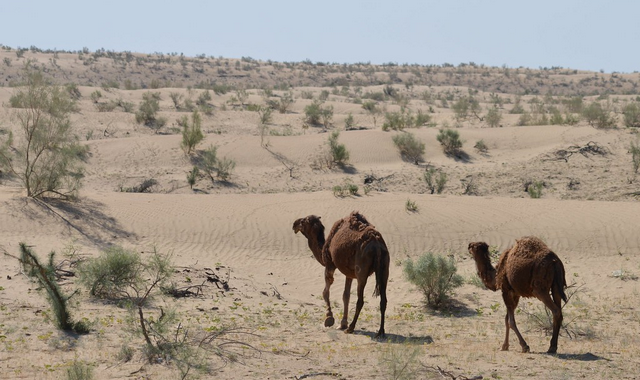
242, 231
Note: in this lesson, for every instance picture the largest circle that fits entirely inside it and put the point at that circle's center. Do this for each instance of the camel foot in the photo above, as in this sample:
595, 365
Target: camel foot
343, 325
349, 330
329, 322
552, 350
505, 347
380, 335
525, 349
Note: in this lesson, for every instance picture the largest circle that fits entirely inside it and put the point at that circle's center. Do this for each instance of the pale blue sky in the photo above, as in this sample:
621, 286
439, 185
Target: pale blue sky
580, 34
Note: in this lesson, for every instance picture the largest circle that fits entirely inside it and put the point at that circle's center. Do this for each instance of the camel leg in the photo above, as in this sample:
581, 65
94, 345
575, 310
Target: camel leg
362, 282
345, 299
383, 302
328, 280
555, 306
511, 302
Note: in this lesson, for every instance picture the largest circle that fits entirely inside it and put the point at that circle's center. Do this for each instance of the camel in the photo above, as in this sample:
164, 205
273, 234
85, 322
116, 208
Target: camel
528, 269
357, 250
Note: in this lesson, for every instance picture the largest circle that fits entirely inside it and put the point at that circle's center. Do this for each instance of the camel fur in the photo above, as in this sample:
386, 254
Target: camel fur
358, 250
528, 269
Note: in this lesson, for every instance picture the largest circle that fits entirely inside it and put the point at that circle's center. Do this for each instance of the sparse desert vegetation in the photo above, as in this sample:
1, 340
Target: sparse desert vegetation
209, 160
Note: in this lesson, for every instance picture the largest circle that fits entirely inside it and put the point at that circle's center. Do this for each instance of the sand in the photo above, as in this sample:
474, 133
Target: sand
241, 230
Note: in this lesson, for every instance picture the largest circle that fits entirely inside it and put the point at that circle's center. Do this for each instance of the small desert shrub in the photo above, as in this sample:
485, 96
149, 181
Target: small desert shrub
450, 141
285, 102
265, 115
435, 276
634, 149
44, 154
145, 186
535, 189
481, 146
192, 176
191, 133
599, 116
111, 274
410, 147
106, 106
313, 112
464, 107
631, 113
148, 109
411, 206
45, 276
176, 97
400, 362
96, 96
493, 117
353, 189
209, 162
435, 185
349, 122
79, 371
339, 153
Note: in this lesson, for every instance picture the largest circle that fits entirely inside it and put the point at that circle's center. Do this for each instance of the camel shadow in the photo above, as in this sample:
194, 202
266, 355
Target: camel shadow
586, 357
395, 338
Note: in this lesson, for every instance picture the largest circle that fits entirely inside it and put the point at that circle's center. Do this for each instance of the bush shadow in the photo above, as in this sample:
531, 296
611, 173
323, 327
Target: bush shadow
94, 221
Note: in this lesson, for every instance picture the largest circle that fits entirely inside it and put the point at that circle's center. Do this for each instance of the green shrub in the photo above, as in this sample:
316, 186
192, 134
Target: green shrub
465, 107
493, 117
96, 96
192, 176
631, 113
148, 109
435, 185
212, 165
481, 146
191, 133
435, 276
599, 116
112, 274
450, 141
349, 122
634, 149
285, 102
411, 206
339, 153
410, 147
45, 275
535, 189
79, 371
45, 154
313, 112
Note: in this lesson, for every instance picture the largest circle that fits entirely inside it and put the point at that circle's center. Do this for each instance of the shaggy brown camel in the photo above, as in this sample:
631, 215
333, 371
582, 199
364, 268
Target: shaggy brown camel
357, 250
528, 269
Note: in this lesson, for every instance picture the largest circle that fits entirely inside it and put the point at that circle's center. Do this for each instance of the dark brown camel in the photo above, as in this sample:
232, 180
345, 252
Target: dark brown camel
357, 250
528, 269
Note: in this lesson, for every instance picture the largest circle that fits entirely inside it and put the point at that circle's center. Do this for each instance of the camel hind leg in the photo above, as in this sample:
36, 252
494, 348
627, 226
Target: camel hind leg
328, 280
555, 305
362, 282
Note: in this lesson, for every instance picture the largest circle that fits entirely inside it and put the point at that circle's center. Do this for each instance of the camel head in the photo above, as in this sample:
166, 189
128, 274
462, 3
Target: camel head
307, 224
479, 250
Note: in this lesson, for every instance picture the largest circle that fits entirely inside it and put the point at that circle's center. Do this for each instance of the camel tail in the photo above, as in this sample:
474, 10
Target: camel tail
381, 270
559, 281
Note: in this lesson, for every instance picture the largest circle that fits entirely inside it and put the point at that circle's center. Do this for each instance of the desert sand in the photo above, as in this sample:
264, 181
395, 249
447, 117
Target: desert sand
242, 231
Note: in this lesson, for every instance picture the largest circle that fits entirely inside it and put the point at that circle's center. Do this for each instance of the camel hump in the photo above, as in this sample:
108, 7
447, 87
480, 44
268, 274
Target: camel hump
358, 222
531, 246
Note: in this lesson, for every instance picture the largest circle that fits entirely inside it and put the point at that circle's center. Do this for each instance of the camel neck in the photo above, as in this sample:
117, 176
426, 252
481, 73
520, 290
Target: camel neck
316, 242
487, 272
